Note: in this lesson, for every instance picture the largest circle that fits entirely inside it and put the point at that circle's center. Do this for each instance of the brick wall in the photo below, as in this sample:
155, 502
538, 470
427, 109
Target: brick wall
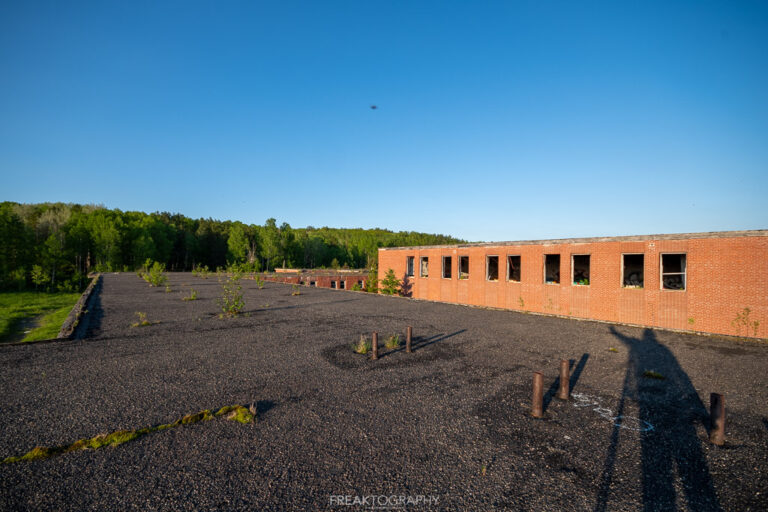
724, 275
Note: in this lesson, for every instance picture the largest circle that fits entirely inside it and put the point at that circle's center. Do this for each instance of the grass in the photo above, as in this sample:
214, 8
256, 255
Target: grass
192, 295
393, 342
650, 374
18, 306
143, 322
230, 412
363, 346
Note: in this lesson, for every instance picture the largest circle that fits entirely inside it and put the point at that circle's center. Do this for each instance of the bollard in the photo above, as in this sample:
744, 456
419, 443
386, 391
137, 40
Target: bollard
408, 336
537, 407
717, 419
564, 391
375, 346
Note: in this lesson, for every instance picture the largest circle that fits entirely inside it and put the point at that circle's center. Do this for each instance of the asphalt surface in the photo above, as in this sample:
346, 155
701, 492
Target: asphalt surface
448, 422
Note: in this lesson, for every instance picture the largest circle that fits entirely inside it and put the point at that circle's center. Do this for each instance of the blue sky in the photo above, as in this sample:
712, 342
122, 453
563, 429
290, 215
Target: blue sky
495, 120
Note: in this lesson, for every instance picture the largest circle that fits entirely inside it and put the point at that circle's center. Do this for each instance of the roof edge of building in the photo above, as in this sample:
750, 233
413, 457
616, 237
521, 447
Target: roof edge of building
632, 238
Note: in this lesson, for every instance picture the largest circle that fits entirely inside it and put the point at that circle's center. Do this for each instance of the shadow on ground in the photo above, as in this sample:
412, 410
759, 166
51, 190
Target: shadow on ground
672, 449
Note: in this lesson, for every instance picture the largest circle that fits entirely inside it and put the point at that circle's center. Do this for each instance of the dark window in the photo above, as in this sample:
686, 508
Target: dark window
463, 267
312, 283
580, 269
552, 268
673, 271
333, 284
447, 264
342, 284
492, 268
513, 268
633, 269
409, 266
424, 267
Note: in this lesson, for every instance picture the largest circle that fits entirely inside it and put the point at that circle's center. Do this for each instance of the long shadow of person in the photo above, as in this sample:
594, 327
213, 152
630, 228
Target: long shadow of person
672, 406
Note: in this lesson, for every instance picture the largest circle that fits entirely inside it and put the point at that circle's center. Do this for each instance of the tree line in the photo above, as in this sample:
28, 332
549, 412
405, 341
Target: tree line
55, 245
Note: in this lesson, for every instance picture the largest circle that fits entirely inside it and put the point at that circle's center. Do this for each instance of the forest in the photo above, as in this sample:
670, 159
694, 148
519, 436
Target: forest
54, 246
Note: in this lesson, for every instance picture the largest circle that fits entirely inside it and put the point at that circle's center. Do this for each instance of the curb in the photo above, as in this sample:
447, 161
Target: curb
74, 318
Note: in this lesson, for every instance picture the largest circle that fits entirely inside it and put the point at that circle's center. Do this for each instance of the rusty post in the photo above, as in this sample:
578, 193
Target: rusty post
408, 336
717, 419
537, 406
565, 369
375, 346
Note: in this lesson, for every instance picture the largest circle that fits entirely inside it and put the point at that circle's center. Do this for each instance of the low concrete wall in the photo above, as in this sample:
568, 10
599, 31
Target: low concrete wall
70, 325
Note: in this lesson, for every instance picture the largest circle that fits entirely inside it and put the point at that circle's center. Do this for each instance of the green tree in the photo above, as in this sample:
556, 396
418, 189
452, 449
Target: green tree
39, 276
390, 285
372, 283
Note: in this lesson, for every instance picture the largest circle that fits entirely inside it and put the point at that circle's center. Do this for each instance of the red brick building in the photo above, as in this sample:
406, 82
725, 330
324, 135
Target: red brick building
334, 279
706, 282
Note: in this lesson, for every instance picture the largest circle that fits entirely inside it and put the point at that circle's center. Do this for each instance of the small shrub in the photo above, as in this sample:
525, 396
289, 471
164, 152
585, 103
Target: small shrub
393, 342
39, 276
231, 300
372, 283
201, 271
356, 287
259, 281
742, 320
153, 273
192, 295
143, 322
390, 283
363, 346
296, 290
650, 374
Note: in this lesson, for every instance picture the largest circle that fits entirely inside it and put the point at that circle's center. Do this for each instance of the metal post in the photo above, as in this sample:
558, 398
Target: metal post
565, 370
537, 406
717, 419
375, 346
408, 336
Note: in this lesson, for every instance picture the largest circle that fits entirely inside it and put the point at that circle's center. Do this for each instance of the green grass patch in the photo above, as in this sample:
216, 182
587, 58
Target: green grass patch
650, 374
15, 307
231, 412
393, 342
363, 346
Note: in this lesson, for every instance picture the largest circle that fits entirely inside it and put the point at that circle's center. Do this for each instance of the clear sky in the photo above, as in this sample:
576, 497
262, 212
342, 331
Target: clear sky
495, 120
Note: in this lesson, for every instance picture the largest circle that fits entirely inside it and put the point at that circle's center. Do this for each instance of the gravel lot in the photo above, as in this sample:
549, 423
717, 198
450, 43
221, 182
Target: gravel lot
449, 421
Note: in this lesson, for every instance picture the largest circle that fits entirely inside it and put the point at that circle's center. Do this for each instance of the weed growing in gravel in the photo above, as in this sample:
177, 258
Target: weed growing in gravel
650, 374
296, 290
168, 289
153, 273
230, 412
612, 349
143, 322
363, 346
259, 281
231, 300
192, 295
393, 342
201, 271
